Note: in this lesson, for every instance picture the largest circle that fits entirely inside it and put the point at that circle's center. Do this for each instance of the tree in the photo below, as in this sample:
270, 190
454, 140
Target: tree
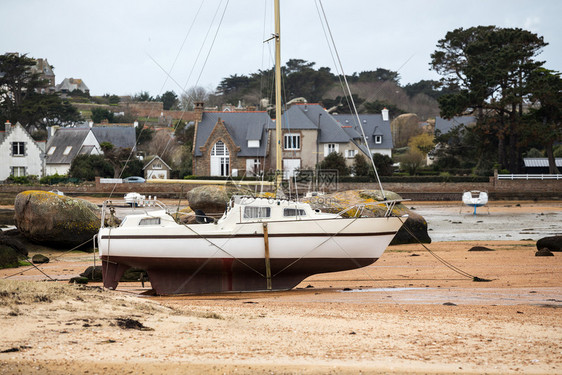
422, 143
544, 118
142, 96
411, 161
144, 134
100, 114
335, 160
384, 164
489, 67
21, 100
360, 166
88, 167
169, 100
192, 95
116, 156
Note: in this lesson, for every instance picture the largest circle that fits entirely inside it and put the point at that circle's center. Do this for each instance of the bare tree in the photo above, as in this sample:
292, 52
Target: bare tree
192, 95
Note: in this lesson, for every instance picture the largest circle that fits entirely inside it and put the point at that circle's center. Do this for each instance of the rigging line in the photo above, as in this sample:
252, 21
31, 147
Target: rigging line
161, 89
443, 261
316, 247
223, 250
205, 62
352, 100
54, 258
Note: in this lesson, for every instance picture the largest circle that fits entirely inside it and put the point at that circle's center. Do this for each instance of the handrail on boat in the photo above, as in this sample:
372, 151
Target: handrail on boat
390, 204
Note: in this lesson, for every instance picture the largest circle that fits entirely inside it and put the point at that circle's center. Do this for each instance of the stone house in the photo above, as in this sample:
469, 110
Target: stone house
231, 143
156, 168
20, 155
70, 84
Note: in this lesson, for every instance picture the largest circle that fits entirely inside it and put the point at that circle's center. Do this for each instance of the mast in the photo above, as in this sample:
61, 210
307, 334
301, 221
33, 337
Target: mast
278, 125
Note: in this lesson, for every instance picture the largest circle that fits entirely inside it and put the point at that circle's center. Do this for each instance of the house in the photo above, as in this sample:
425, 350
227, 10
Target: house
118, 136
70, 84
231, 143
540, 165
20, 154
310, 134
156, 168
45, 71
67, 143
443, 126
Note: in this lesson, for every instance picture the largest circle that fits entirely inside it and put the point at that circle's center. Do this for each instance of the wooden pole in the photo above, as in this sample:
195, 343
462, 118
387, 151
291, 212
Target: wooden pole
267, 262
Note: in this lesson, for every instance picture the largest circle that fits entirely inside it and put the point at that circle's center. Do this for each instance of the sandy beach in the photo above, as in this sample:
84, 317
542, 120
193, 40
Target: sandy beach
407, 313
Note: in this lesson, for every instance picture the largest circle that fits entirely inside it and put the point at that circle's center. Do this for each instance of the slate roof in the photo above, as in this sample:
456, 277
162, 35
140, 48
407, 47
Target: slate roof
242, 126
445, 126
71, 84
61, 140
307, 116
372, 125
118, 136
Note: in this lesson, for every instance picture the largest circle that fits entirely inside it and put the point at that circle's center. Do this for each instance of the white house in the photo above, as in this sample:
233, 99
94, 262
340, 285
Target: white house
65, 145
20, 155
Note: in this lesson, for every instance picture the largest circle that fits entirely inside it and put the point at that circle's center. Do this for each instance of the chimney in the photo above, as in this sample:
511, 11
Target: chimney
199, 111
7, 126
384, 113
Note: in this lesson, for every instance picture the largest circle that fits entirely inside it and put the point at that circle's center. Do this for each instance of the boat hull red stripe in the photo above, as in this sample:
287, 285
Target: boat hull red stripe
213, 275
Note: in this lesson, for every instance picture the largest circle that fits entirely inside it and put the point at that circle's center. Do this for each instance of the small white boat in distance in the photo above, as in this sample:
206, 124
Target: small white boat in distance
475, 199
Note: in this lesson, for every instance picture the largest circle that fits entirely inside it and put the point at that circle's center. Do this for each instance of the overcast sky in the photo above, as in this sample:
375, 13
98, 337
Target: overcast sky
123, 47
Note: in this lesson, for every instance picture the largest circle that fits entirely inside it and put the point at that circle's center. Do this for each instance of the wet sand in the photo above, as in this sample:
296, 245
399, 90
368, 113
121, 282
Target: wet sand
407, 313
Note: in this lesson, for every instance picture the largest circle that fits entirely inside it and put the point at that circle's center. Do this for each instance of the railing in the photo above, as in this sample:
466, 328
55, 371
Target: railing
530, 177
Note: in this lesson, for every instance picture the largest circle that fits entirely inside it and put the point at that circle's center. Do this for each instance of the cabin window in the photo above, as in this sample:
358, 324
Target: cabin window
18, 149
293, 212
257, 212
150, 221
292, 141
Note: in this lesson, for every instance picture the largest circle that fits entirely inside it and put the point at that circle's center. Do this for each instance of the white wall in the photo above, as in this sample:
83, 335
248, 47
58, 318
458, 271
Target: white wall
51, 169
32, 160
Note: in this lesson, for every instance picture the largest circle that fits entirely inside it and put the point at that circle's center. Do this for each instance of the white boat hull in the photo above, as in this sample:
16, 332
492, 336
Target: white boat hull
204, 258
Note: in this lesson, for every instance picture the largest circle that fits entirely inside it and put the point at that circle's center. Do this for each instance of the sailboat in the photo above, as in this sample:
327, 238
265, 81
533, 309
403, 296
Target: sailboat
257, 244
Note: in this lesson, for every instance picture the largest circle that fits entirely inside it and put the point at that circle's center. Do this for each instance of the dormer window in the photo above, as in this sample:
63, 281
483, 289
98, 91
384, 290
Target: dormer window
67, 150
378, 139
254, 144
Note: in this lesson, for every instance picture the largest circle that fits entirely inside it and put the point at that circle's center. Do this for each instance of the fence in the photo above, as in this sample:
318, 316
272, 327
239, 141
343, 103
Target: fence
529, 176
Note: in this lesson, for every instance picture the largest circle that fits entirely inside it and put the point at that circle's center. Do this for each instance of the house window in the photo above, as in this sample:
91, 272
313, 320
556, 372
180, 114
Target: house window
18, 149
378, 139
350, 154
156, 166
51, 150
330, 147
253, 167
67, 150
254, 144
220, 160
257, 212
292, 141
18, 171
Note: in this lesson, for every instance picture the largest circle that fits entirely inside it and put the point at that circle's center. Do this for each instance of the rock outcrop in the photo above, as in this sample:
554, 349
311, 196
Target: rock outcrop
45, 217
212, 199
552, 243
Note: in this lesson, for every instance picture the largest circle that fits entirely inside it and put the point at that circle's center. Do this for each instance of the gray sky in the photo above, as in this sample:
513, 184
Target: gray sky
122, 46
